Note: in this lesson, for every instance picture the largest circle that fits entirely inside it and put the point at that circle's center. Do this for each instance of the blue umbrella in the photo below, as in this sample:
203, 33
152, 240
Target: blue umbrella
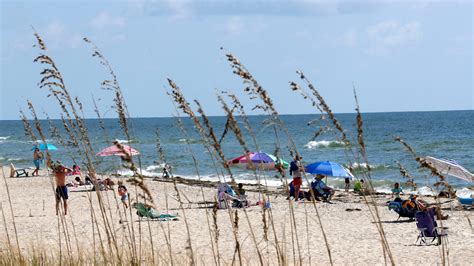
42, 147
328, 168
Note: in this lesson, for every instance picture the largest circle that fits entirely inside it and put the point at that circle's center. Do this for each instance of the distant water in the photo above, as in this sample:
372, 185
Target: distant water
439, 134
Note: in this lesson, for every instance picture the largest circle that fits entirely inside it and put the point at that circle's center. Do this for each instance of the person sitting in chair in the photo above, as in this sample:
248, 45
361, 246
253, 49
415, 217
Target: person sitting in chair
242, 202
224, 194
320, 189
422, 205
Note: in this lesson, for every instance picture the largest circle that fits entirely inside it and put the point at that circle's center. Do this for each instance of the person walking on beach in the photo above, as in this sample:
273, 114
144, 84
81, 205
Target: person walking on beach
60, 172
296, 169
37, 157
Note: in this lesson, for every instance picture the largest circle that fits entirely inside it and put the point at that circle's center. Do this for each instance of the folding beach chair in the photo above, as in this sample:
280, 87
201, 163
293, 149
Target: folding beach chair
397, 207
428, 228
17, 171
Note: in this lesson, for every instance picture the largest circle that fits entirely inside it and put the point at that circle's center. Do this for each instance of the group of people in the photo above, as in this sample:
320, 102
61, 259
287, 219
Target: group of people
319, 190
60, 173
415, 203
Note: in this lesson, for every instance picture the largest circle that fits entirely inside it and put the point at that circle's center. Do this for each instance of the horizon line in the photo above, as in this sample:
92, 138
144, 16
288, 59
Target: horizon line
368, 112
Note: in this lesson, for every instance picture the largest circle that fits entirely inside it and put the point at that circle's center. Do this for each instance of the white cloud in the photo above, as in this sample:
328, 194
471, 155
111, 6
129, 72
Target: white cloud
388, 35
104, 20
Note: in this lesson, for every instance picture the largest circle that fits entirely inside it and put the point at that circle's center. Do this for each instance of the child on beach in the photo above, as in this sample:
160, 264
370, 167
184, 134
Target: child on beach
396, 191
122, 191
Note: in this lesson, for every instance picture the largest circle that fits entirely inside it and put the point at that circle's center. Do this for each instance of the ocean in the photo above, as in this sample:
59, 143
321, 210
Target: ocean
444, 134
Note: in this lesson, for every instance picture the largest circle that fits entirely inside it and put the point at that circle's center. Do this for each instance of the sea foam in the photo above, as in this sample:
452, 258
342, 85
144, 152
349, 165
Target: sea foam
324, 144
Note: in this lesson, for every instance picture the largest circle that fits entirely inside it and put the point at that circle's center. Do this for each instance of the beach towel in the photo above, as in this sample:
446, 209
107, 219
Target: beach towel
147, 212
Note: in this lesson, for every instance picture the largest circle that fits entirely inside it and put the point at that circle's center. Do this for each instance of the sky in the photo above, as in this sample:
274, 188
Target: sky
399, 55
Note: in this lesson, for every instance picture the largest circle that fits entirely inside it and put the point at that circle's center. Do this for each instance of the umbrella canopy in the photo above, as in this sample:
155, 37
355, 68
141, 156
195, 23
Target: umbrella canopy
260, 160
451, 168
42, 147
114, 150
329, 169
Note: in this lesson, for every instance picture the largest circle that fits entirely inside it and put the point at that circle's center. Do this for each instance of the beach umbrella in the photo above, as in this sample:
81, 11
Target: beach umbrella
328, 168
115, 151
260, 160
42, 147
451, 168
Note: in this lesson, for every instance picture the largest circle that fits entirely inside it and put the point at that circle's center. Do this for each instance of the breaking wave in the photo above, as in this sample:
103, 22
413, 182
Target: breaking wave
123, 141
365, 166
324, 144
155, 168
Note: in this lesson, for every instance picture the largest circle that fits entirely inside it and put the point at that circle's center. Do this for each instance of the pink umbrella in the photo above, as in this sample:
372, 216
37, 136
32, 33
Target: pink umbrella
114, 150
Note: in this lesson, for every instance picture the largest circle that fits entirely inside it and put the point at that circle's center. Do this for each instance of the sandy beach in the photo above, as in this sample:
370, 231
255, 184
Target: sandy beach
351, 233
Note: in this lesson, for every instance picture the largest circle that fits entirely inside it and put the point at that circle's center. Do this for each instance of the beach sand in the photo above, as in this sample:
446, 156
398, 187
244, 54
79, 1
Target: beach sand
352, 235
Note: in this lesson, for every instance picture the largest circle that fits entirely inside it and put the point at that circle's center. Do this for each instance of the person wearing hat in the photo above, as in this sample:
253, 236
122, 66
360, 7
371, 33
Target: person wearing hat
320, 188
60, 171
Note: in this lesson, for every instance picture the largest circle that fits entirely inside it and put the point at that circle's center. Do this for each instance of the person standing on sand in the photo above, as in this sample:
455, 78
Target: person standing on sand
37, 157
347, 183
296, 169
60, 172
123, 193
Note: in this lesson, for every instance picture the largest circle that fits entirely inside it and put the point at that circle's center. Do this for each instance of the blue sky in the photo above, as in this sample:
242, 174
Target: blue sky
401, 55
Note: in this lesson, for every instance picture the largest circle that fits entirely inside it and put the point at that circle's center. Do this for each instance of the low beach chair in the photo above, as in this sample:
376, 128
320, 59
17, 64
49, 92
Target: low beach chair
428, 228
402, 211
17, 172
466, 203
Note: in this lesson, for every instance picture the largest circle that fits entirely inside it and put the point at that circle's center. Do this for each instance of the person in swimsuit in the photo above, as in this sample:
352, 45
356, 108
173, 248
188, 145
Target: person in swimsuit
396, 191
60, 172
123, 193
